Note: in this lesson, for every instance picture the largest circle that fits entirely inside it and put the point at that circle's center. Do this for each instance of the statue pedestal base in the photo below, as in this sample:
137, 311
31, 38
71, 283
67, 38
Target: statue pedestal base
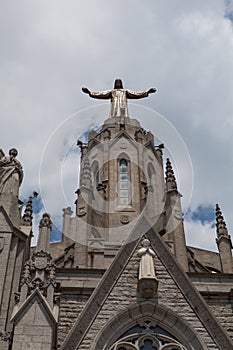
147, 287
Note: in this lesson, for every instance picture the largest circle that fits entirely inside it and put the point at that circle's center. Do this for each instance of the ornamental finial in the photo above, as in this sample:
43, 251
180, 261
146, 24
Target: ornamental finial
170, 177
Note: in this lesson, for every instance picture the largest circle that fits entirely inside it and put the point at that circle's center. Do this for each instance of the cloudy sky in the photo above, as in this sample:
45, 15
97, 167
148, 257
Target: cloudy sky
49, 49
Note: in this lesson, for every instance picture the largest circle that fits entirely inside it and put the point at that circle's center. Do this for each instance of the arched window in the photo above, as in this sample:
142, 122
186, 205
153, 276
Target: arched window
146, 326
95, 173
96, 179
151, 177
147, 337
123, 182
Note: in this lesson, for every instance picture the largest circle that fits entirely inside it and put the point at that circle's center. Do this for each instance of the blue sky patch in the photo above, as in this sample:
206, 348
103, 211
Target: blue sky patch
229, 9
204, 214
37, 205
56, 235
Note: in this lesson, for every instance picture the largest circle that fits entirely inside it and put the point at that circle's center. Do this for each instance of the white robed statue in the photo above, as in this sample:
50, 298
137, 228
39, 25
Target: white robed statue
146, 269
118, 97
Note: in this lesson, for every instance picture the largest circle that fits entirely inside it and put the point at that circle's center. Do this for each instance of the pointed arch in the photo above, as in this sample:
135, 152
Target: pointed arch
166, 324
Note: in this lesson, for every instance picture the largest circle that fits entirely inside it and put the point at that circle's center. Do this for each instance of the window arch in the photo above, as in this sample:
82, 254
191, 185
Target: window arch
160, 326
123, 193
147, 336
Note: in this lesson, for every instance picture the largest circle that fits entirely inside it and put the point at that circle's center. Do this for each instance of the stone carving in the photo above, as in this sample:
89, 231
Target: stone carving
40, 261
46, 221
139, 136
38, 272
118, 97
107, 134
26, 277
124, 219
5, 336
81, 211
11, 173
52, 272
147, 283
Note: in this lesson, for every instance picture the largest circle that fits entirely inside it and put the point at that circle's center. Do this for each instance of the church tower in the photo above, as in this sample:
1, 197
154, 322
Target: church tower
122, 178
122, 277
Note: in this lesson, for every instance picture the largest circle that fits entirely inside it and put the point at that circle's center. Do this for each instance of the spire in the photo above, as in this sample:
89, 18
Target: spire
170, 177
27, 217
220, 224
45, 227
224, 243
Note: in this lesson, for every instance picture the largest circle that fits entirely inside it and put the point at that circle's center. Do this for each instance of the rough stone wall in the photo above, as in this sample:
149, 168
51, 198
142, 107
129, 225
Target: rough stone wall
124, 294
70, 307
15, 278
170, 296
223, 311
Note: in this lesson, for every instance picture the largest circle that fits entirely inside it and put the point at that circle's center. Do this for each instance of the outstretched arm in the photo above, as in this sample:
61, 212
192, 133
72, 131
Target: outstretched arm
151, 91
139, 94
98, 94
1, 153
85, 90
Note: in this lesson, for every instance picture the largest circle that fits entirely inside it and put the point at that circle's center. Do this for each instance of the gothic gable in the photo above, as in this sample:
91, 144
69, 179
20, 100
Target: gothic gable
118, 291
34, 322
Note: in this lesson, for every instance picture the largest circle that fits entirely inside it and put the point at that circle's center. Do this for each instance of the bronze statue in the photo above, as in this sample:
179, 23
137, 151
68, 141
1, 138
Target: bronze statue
118, 97
11, 173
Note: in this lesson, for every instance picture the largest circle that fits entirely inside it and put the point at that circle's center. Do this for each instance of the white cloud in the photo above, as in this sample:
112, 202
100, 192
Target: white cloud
200, 235
184, 48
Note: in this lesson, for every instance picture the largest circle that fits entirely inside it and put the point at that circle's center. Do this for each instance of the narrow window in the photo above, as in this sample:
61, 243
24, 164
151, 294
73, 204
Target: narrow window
95, 172
151, 178
96, 177
123, 182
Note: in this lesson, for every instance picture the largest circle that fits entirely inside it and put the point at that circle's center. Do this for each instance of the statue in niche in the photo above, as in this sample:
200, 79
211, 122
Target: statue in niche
118, 97
11, 173
146, 269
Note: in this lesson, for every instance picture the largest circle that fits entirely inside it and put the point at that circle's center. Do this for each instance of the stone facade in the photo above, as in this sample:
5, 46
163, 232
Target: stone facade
122, 277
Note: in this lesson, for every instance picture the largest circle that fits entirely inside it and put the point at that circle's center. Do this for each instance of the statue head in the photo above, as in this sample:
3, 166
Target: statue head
118, 84
146, 243
13, 152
